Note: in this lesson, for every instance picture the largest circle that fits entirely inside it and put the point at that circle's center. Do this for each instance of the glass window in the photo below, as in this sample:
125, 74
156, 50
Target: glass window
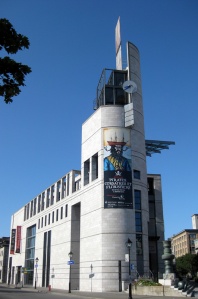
137, 195
66, 210
30, 254
52, 217
95, 167
49, 218
86, 172
61, 213
57, 215
138, 221
136, 174
150, 186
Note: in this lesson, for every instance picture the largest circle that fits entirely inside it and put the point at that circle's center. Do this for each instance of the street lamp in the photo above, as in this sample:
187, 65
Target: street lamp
36, 266
129, 245
70, 254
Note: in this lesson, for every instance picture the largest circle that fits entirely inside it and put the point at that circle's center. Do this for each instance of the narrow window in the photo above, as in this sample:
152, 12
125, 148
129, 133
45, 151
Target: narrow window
48, 198
28, 211
61, 213
137, 195
95, 167
52, 217
138, 221
136, 174
42, 222
35, 200
150, 186
45, 220
43, 201
39, 223
57, 215
31, 208
52, 195
64, 187
66, 210
58, 194
39, 203
49, 218
86, 172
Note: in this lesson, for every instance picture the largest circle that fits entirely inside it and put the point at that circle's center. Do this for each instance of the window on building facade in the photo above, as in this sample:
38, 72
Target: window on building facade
48, 198
28, 211
86, 172
39, 223
52, 195
138, 221
150, 182
49, 218
43, 201
66, 210
35, 200
24, 216
30, 254
136, 174
57, 215
61, 214
31, 208
42, 222
137, 196
64, 187
45, 220
95, 167
39, 203
58, 191
53, 217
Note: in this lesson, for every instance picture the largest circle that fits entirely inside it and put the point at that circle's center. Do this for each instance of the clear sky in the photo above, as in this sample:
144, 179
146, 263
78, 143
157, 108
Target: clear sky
71, 42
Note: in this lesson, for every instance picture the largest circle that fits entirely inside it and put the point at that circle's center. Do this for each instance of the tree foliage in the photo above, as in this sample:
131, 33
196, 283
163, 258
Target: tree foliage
12, 73
187, 264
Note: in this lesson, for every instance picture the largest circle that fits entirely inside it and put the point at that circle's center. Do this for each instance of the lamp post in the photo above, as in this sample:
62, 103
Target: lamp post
129, 245
70, 254
36, 266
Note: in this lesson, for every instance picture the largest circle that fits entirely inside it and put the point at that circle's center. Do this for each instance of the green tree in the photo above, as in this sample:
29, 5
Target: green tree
12, 73
187, 263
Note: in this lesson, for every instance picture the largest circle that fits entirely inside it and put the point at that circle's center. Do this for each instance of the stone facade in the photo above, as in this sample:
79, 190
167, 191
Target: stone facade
70, 215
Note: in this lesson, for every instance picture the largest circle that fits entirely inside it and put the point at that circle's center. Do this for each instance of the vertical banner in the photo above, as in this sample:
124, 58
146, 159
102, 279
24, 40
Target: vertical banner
18, 239
12, 244
117, 168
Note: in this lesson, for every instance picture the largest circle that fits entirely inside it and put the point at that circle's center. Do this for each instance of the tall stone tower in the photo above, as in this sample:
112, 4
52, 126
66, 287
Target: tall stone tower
115, 208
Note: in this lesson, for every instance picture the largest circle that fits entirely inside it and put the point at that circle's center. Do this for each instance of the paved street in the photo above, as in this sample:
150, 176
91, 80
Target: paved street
10, 292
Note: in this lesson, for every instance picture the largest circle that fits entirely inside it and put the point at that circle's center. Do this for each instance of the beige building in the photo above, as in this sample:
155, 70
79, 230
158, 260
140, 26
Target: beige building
184, 242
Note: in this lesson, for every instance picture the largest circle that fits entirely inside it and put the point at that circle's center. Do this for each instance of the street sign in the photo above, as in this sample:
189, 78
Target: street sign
132, 266
70, 262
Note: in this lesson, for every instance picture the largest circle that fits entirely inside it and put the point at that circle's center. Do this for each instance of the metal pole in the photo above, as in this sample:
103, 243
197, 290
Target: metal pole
130, 290
35, 276
91, 276
70, 277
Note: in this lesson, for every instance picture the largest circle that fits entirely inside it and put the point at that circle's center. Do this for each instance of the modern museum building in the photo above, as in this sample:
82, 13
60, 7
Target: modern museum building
100, 226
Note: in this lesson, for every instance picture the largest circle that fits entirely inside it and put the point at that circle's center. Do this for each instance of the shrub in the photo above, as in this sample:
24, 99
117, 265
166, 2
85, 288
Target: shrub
147, 282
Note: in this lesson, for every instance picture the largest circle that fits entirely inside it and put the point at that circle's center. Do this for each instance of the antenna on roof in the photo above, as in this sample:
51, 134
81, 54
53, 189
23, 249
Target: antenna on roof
118, 46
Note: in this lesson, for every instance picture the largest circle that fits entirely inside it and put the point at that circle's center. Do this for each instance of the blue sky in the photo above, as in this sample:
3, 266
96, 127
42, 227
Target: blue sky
71, 42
